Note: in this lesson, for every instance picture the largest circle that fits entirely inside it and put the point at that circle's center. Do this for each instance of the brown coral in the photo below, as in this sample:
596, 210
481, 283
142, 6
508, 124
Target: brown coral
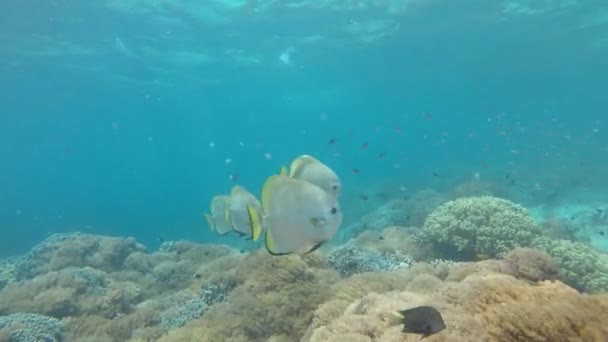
274, 300
493, 307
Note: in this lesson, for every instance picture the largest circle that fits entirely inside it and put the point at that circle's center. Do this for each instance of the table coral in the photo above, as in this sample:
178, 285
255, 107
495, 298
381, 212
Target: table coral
479, 227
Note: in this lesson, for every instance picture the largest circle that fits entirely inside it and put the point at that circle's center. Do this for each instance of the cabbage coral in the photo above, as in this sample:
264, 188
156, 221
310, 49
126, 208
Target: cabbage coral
479, 227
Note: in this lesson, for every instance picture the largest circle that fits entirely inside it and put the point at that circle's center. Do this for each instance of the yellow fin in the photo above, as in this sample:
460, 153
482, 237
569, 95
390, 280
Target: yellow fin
283, 171
256, 225
210, 222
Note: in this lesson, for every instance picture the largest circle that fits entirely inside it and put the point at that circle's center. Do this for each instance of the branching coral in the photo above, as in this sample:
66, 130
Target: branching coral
470, 228
350, 259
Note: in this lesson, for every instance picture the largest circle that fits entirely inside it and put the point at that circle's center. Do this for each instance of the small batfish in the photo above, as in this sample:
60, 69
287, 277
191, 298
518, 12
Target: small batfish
423, 320
311, 170
219, 219
245, 212
298, 216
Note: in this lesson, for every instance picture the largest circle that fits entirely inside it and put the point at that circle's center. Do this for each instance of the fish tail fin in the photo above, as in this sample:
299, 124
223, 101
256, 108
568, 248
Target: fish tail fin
256, 224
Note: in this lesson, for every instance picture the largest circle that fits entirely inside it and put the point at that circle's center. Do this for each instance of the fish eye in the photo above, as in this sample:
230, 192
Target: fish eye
333, 210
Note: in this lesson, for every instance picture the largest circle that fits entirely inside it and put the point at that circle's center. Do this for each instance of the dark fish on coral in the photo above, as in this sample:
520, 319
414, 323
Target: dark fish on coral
423, 320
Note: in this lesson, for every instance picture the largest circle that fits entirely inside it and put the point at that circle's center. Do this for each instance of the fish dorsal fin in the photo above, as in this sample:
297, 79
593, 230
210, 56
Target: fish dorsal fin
299, 163
283, 171
267, 189
256, 224
236, 189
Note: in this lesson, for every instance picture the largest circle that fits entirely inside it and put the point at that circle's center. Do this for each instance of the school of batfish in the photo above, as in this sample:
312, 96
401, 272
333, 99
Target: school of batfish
298, 212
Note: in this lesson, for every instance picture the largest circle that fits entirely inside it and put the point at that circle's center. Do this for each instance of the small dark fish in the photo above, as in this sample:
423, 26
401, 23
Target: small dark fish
380, 237
602, 233
424, 320
364, 197
234, 177
435, 174
428, 116
160, 239
355, 171
381, 155
599, 211
364, 145
332, 141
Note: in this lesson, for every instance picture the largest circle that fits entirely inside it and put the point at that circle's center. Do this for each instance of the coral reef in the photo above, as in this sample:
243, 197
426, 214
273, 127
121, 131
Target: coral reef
478, 227
274, 300
195, 292
395, 239
494, 307
581, 266
7, 272
350, 259
27, 327
397, 212
60, 251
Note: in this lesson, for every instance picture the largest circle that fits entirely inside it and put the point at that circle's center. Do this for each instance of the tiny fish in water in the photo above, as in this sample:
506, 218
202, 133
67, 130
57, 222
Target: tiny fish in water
364, 146
364, 197
423, 320
381, 155
355, 171
332, 141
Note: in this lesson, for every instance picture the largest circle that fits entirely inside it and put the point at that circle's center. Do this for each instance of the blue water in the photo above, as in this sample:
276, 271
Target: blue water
108, 111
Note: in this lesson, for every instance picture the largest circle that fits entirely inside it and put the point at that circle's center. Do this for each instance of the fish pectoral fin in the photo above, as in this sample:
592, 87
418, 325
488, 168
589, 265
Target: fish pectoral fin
315, 247
227, 215
255, 222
